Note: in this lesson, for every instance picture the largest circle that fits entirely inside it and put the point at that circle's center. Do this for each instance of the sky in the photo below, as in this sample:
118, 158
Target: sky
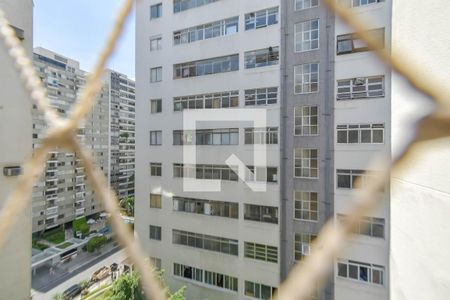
78, 29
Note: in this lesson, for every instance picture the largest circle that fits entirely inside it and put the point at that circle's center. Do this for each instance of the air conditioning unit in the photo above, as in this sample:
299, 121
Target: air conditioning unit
359, 81
12, 171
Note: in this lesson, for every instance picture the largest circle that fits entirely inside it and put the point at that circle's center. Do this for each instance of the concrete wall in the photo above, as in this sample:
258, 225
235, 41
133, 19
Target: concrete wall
15, 134
324, 55
167, 121
420, 268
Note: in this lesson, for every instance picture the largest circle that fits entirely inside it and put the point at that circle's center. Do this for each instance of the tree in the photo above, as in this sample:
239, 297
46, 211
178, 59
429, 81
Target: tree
58, 296
127, 287
80, 225
127, 204
96, 243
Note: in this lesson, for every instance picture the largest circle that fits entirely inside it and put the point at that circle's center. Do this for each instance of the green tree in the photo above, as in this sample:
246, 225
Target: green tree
96, 243
58, 296
127, 287
80, 225
127, 204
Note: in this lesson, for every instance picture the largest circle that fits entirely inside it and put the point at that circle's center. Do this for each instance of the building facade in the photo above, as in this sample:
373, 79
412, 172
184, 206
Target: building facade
307, 112
333, 100
63, 194
15, 134
214, 65
120, 91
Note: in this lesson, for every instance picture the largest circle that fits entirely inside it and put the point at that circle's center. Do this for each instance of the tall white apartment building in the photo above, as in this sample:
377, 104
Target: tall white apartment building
63, 193
332, 106
216, 62
15, 149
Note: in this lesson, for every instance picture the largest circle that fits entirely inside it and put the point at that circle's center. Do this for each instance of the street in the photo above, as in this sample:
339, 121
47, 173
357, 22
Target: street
45, 294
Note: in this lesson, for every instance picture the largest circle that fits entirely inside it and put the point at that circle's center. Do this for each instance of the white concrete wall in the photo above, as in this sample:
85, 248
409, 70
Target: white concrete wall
243, 268
15, 136
420, 268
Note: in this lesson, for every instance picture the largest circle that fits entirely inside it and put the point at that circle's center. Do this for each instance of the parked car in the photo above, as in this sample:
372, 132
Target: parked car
71, 292
100, 274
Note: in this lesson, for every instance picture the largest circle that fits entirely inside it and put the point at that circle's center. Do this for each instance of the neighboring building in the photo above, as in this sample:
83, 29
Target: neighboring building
120, 91
209, 59
63, 194
337, 97
339, 107
15, 134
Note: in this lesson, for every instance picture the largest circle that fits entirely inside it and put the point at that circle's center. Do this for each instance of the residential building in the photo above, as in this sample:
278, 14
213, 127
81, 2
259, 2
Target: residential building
120, 91
15, 134
338, 108
216, 62
63, 194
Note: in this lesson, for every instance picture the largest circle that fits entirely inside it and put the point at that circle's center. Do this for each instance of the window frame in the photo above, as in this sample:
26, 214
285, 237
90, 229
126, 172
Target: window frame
157, 71
317, 168
158, 106
310, 211
157, 136
158, 39
309, 117
155, 232
302, 33
155, 168
158, 7
310, 74
270, 56
303, 6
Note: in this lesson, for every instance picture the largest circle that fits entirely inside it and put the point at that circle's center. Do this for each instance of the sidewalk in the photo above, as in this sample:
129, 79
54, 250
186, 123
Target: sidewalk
44, 281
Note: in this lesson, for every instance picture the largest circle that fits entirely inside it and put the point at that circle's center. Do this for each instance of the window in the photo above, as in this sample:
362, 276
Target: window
356, 3
261, 136
155, 106
207, 242
369, 226
360, 88
206, 207
302, 245
306, 120
155, 74
306, 163
156, 262
261, 96
346, 179
305, 206
259, 213
155, 232
182, 5
188, 272
206, 67
155, 169
360, 271
306, 35
261, 252
206, 31
155, 43
207, 277
261, 58
262, 174
305, 4
217, 172
351, 43
181, 137
262, 18
259, 291
360, 134
156, 138
226, 136
306, 78
155, 200
156, 11
215, 100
